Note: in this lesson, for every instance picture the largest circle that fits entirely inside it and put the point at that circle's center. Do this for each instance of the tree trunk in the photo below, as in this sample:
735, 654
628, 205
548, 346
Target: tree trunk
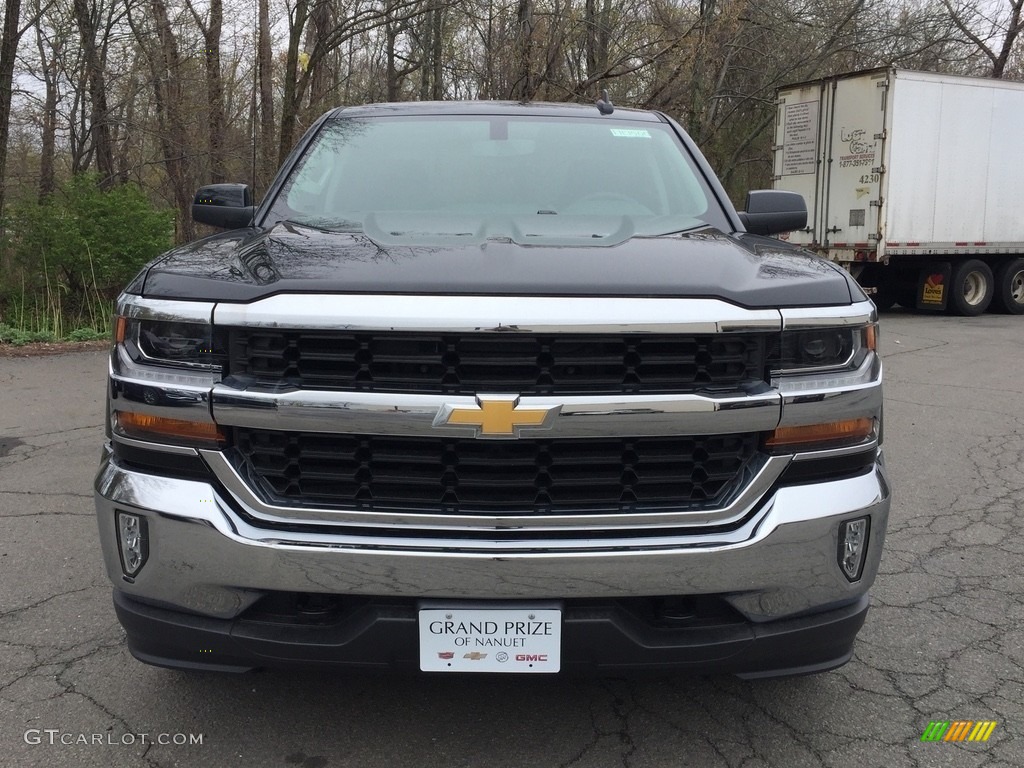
437, 56
1013, 30
432, 52
124, 168
8, 54
85, 18
590, 41
523, 88
391, 32
215, 92
165, 66
48, 61
320, 27
78, 127
292, 90
427, 52
265, 64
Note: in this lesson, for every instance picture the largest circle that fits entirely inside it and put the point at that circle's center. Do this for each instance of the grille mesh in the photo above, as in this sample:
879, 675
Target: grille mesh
520, 363
457, 476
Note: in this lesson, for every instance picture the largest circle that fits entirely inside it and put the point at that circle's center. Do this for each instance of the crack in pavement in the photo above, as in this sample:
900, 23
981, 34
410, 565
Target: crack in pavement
621, 708
15, 611
899, 351
59, 494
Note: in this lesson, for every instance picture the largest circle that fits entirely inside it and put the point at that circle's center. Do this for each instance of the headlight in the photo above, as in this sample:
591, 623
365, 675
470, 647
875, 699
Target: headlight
828, 378
174, 343
823, 349
168, 358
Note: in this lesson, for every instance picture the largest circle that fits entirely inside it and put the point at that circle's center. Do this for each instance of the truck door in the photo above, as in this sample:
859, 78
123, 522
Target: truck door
799, 152
853, 199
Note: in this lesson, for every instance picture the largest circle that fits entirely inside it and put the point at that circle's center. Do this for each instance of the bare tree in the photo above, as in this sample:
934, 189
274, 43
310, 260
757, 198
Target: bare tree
8, 53
264, 60
361, 18
211, 29
524, 86
89, 17
993, 35
165, 65
49, 52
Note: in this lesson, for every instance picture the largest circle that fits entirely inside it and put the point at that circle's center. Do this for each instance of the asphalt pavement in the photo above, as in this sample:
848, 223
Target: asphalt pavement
944, 640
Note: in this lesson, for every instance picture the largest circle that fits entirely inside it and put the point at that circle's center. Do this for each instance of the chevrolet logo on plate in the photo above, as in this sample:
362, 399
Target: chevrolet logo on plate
497, 416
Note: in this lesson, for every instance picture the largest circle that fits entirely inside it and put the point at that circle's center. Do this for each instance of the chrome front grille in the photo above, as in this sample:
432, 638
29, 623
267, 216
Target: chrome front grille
465, 476
525, 364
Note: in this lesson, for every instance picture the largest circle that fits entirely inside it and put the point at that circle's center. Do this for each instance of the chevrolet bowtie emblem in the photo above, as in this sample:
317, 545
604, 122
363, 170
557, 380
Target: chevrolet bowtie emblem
496, 416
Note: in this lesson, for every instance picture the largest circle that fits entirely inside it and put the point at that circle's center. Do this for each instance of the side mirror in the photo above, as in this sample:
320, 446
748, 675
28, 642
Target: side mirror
771, 211
228, 206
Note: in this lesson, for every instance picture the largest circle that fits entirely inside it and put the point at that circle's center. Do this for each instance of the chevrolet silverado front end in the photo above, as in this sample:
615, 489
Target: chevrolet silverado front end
449, 401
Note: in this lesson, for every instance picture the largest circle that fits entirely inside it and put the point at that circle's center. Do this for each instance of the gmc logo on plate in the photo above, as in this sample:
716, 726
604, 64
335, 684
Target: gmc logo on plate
531, 657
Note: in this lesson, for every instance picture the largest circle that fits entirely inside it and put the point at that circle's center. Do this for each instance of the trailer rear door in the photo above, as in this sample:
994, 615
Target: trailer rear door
799, 151
852, 190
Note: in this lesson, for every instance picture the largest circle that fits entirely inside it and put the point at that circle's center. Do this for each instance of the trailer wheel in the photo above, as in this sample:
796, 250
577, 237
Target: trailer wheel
906, 295
971, 289
1009, 293
884, 300
884, 297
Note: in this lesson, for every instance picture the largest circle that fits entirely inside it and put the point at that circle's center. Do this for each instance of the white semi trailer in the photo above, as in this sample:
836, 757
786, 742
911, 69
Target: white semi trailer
914, 181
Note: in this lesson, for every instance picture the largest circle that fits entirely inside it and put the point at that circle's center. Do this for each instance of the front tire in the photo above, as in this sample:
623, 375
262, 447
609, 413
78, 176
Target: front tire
1009, 288
971, 289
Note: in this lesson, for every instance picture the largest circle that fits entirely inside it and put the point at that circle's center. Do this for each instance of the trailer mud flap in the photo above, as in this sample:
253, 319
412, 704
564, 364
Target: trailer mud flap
932, 290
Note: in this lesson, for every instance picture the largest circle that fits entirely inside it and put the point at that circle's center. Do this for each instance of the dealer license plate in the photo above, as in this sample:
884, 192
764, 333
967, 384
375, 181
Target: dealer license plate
490, 639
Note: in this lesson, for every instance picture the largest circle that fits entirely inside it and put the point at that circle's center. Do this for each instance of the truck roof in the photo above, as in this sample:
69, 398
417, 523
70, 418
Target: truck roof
533, 108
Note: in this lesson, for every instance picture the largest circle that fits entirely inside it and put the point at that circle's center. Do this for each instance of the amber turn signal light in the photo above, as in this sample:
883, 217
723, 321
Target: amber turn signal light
146, 427
849, 431
871, 337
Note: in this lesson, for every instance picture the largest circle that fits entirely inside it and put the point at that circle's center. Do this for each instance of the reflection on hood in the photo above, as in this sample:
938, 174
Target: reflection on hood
244, 265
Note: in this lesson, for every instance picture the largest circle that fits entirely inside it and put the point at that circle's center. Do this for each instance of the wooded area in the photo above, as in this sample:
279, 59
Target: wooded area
146, 100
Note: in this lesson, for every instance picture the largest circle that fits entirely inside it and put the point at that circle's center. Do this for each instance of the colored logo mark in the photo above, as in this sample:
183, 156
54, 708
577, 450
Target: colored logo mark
496, 417
958, 730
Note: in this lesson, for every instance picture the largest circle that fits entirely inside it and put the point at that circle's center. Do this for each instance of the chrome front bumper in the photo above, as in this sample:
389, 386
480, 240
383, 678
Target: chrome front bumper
207, 558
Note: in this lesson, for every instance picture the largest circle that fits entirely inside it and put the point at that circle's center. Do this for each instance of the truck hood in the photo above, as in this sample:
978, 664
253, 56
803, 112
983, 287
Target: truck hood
245, 265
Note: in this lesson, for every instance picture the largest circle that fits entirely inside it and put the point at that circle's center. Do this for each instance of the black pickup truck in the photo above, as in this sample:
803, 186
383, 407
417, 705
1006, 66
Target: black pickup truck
494, 387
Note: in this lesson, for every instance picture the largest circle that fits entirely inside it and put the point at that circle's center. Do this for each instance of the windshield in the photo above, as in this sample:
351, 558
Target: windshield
533, 180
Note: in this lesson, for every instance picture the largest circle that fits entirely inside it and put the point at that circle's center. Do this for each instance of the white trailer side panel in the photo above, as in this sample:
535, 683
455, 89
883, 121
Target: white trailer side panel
1004, 215
941, 160
912, 161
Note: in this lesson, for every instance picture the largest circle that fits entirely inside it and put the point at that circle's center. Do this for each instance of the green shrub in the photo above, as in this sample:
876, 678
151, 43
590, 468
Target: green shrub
87, 334
19, 337
68, 257
85, 236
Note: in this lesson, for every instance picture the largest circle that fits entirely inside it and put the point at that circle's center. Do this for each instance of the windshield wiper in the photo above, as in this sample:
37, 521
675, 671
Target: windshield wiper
325, 225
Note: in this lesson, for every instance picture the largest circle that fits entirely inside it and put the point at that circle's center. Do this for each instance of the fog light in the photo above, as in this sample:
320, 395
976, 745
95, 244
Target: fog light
853, 543
132, 541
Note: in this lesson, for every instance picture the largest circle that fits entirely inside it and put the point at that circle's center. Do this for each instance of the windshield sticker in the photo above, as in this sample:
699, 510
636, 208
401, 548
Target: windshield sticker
631, 133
